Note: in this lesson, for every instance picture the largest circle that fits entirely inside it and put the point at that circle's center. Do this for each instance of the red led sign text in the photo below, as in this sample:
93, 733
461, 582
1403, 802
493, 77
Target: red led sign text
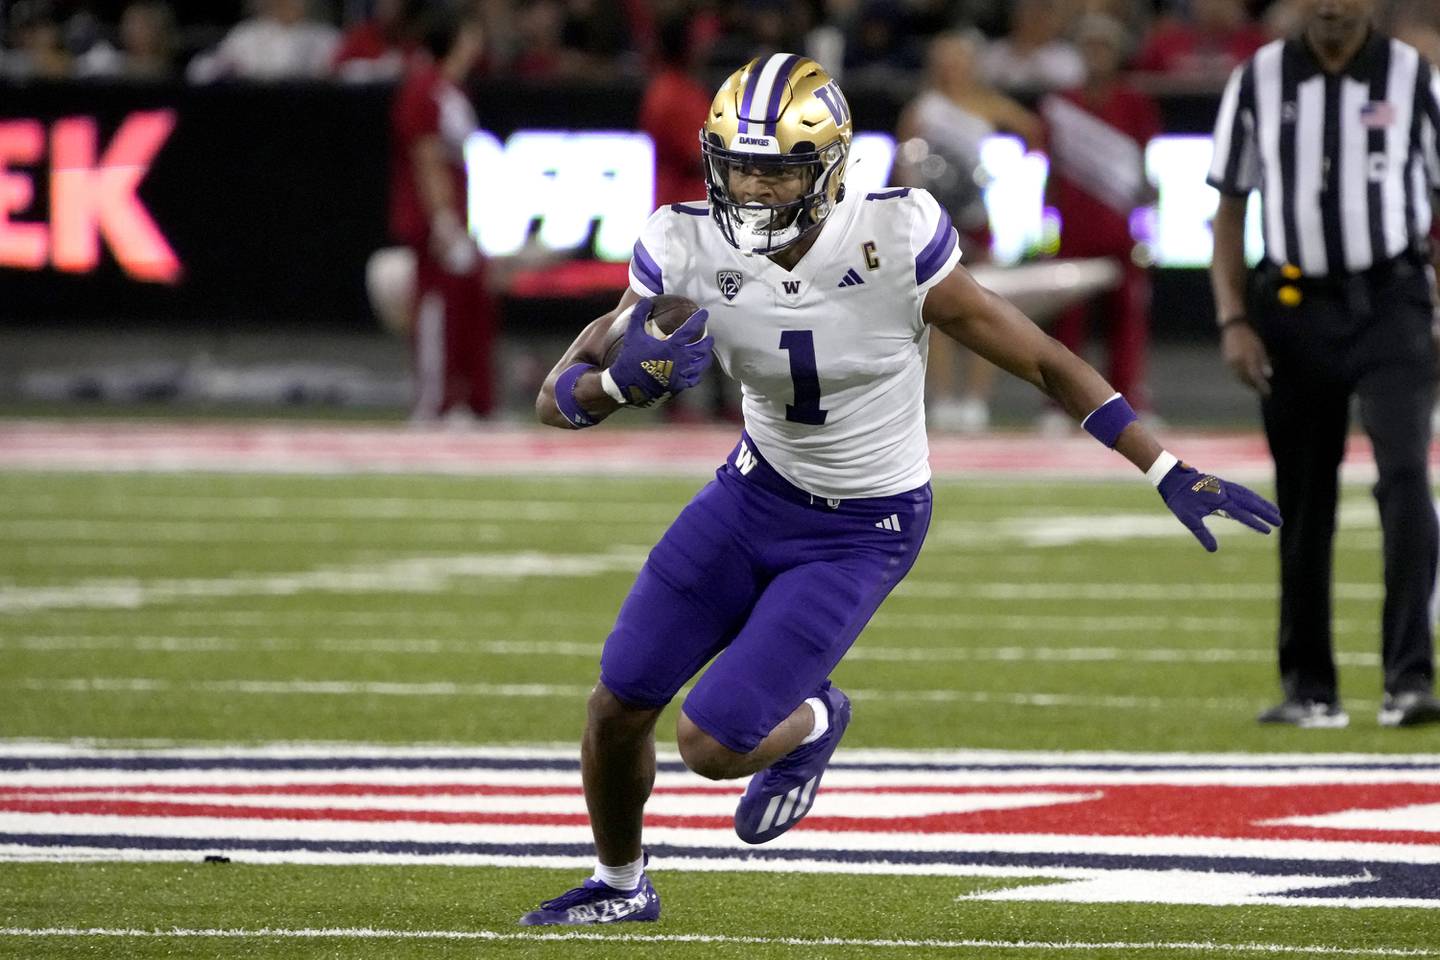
92, 195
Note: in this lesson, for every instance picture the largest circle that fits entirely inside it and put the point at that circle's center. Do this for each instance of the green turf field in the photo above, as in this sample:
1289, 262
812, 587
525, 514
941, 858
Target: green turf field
225, 609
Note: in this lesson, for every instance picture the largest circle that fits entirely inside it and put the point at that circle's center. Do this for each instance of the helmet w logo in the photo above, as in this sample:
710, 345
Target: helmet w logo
834, 101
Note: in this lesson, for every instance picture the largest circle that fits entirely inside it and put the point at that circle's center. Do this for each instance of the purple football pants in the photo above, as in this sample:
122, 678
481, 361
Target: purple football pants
770, 581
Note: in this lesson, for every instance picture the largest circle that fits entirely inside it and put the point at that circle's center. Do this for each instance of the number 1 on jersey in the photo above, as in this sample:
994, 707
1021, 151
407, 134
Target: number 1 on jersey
805, 376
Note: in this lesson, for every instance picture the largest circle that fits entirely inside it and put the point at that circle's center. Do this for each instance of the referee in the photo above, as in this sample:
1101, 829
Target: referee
1337, 128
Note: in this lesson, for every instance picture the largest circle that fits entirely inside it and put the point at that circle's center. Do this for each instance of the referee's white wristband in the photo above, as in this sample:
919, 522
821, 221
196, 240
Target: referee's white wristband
612, 389
1161, 466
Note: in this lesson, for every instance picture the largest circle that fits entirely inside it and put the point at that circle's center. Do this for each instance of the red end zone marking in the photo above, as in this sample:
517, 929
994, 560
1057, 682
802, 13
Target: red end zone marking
1161, 811
344, 790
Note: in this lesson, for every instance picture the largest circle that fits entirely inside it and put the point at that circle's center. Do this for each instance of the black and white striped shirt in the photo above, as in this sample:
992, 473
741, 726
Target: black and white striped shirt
1344, 163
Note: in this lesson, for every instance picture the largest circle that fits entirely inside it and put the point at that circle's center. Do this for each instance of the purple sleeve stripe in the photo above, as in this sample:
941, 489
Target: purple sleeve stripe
937, 251
777, 89
646, 269
889, 194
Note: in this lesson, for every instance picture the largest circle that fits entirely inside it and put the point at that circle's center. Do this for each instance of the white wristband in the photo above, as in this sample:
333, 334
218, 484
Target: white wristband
1161, 466
612, 389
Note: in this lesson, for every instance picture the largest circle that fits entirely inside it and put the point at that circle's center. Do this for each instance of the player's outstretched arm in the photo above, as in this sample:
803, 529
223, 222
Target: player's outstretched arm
589, 394
993, 327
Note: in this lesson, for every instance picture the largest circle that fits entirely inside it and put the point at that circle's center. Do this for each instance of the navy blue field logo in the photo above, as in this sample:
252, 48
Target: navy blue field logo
1319, 830
729, 282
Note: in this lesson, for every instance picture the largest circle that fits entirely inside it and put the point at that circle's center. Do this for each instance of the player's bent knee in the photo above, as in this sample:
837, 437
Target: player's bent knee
705, 755
608, 715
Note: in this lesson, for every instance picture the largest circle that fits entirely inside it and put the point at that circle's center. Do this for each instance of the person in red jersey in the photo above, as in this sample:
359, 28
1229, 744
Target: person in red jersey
674, 106
454, 320
1219, 36
1097, 137
378, 48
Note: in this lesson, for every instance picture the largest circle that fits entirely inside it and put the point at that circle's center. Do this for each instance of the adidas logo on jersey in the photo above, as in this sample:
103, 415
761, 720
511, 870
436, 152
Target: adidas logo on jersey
891, 523
851, 279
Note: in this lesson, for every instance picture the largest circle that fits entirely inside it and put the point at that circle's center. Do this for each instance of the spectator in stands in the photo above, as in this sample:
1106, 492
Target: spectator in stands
280, 43
758, 28
1284, 18
454, 325
375, 49
827, 37
1097, 134
1034, 55
1218, 37
594, 36
147, 46
940, 134
879, 49
1418, 24
540, 48
38, 52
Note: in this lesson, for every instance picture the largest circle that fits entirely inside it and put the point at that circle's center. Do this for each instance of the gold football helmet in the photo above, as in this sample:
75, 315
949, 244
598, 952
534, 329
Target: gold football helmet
783, 110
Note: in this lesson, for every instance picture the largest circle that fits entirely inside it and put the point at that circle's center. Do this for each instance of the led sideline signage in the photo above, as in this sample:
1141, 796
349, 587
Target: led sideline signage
543, 190
65, 195
92, 196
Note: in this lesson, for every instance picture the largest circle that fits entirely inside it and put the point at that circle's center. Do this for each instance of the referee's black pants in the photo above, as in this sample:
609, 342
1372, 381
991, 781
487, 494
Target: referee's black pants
1368, 336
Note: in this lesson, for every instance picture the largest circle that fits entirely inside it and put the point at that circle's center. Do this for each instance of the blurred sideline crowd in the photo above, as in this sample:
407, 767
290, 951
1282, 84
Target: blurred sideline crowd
1026, 45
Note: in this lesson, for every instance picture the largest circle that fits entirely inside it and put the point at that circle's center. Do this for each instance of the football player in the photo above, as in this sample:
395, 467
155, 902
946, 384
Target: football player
819, 301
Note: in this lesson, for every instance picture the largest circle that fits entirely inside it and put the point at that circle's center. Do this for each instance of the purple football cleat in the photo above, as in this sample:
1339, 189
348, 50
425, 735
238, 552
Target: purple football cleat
596, 902
779, 796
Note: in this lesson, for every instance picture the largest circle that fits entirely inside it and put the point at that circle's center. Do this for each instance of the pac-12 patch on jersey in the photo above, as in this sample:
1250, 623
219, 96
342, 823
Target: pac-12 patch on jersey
729, 282
830, 355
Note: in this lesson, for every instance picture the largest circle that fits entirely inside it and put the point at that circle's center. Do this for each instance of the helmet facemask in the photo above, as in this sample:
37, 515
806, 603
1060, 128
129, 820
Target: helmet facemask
768, 228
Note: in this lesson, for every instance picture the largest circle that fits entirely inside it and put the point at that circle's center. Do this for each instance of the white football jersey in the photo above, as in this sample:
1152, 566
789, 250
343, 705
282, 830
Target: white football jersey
831, 355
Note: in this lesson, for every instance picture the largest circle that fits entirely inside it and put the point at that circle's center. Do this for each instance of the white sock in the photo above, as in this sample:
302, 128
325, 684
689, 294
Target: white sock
626, 877
822, 720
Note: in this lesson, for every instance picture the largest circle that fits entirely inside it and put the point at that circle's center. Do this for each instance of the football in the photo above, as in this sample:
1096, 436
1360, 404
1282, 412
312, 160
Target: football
667, 315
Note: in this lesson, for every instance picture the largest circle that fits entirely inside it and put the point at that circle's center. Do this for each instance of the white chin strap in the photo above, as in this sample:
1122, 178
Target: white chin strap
753, 233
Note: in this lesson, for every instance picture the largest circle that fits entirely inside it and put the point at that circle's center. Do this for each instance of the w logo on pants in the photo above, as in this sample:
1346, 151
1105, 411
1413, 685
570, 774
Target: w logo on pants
744, 460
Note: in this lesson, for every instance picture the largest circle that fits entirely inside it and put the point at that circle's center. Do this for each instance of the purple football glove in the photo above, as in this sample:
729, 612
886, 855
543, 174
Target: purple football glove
1192, 496
647, 369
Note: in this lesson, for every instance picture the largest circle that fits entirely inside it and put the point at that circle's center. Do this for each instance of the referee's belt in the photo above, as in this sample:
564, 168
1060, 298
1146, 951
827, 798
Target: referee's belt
1287, 274
1288, 286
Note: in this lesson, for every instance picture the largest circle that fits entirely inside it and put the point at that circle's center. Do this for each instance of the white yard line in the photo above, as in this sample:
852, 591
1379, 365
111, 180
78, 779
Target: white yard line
565, 691
427, 646
889, 757
301, 507
1119, 590
206, 533
574, 936
406, 575
436, 573
959, 621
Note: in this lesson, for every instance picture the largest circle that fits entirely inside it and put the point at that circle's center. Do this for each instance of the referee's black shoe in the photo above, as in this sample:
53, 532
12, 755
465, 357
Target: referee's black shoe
1409, 709
1309, 714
